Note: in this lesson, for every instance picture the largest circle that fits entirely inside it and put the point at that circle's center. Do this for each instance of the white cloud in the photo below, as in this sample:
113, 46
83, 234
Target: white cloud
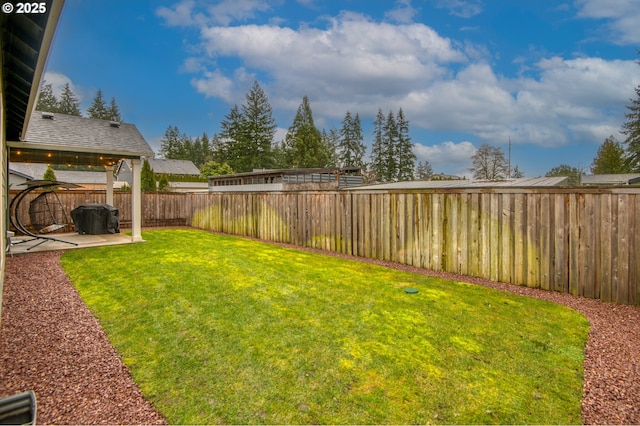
439, 86
447, 157
186, 13
214, 84
57, 82
228, 11
181, 15
402, 13
345, 67
461, 8
622, 16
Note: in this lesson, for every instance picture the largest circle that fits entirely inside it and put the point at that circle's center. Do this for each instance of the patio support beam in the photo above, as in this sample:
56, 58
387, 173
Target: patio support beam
136, 200
109, 172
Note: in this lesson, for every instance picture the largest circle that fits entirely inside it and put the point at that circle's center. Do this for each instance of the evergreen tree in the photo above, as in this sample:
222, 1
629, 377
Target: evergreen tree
205, 150
258, 128
489, 163
331, 141
610, 158
98, 108
516, 173
424, 171
406, 158
378, 153
280, 155
304, 146
197, 156
147, 177
573, 173
68, 102
231, 143
163, 183
113, 112
49, 174
351, 148
390, 145
46, 99
632, 130
169, 144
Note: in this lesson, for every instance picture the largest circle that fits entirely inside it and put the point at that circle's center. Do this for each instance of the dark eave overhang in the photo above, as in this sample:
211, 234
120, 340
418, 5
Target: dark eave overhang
25, 42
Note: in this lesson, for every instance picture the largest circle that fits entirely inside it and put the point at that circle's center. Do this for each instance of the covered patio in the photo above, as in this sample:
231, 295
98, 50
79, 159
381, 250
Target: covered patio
72, 140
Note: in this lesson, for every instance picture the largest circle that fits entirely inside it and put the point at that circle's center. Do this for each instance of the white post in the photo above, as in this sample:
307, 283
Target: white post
109, 171
136, 200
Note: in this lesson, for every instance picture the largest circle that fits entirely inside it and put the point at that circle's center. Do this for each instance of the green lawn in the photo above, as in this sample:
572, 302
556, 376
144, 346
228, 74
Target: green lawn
217, 329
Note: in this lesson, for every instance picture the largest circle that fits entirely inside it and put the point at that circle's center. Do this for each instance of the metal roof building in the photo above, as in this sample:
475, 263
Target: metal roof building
611, 180
539, 182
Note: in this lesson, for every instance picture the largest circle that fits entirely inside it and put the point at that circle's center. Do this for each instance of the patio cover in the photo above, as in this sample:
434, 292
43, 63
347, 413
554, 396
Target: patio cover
67, 139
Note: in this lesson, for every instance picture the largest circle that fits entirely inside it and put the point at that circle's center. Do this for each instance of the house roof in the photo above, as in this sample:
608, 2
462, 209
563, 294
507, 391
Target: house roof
284, 172
173, 167
437, 184
613, 179
61, 139
36, 171
26, 40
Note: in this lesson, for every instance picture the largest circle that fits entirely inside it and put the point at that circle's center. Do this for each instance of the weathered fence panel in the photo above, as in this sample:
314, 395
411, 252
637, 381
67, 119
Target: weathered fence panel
578, 241
583, 242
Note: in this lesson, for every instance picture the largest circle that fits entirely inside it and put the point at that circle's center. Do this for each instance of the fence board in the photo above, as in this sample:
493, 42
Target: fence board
577, 241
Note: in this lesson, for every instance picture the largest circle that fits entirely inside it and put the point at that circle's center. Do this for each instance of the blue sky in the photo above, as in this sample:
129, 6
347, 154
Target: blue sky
552, 76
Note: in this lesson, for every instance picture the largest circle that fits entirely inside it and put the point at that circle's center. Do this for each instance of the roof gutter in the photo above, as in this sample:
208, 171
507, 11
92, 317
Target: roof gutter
49, 147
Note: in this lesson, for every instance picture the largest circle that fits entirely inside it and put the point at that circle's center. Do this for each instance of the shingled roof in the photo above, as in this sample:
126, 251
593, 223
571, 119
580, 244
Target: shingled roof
60, 139
173, 167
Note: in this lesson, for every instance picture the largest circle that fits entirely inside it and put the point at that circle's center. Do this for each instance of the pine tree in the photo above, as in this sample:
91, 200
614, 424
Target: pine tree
516, 173
331, 141
610, 158
98, 108
631, 128
404, 148
205, 149
351, 148
390, 144
163, 183
196, 156
147, 177
304, 147
378, 153
113, 112
259, 127
69, 102
49, 174
47, 101
231, 143
169, 144
424, 170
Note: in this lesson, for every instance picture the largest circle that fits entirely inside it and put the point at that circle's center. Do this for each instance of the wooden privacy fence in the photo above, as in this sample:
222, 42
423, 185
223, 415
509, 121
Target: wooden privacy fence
579, 241
158, 208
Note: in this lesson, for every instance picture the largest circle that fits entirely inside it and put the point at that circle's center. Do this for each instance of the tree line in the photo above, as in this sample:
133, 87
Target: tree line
68, 103
246, 142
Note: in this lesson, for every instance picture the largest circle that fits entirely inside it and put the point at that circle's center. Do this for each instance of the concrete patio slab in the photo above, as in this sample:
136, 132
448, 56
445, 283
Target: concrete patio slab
23, 244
